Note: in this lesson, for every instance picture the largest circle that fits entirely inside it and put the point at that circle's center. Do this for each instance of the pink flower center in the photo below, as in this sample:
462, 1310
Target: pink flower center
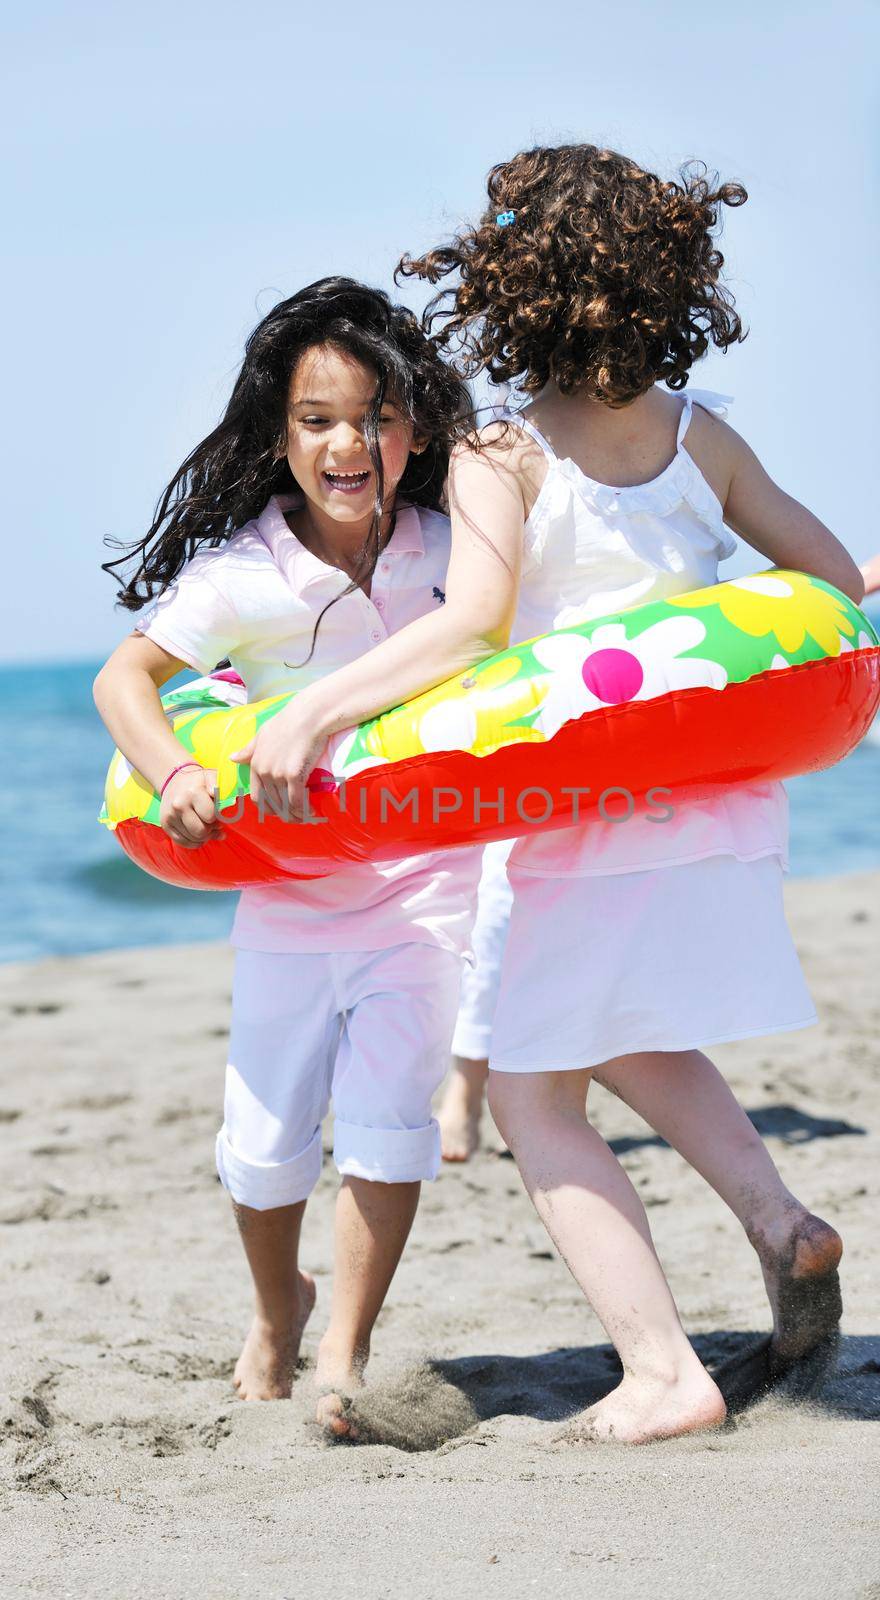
321, 780
613, 675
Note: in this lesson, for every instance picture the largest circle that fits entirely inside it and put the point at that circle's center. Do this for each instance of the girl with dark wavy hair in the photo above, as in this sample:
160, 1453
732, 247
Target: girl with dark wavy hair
305, 529
595, 285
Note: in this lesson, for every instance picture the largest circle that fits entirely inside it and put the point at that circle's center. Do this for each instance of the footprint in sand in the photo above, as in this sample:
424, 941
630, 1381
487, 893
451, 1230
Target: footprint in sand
164, 1438
211, 1433
171, 1114
34, 1208
97, 1102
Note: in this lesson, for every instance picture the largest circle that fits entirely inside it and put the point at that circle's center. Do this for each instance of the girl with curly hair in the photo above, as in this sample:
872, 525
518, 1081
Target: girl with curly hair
306, 528
595, 286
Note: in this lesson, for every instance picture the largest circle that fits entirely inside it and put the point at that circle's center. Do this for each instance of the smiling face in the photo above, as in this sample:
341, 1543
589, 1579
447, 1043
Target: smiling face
330, 395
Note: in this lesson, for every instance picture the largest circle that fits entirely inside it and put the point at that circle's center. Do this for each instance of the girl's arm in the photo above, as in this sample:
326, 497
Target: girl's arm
126, 693
482, 586
781, 528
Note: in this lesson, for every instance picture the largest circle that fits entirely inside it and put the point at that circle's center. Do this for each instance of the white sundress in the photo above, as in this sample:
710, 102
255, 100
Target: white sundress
630, 937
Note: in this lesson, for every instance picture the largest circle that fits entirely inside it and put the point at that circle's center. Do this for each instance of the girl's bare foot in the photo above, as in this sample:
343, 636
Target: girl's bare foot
267, 1364
640, 1410
338, 1376
799, 1259
459, 1115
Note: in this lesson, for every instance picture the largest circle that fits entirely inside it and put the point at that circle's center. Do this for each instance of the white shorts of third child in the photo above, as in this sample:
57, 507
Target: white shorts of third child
372, 1030
479, 984
666, 959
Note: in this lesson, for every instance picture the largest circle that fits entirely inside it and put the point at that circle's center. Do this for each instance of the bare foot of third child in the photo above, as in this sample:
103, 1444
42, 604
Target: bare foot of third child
460, 1114
267, 1365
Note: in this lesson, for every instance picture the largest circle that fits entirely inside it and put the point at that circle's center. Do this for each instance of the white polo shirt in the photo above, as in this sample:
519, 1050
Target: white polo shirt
256, 599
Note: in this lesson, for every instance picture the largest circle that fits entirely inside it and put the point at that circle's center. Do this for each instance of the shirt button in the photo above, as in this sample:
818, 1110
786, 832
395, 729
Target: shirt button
384, 567
380, 605
375, 634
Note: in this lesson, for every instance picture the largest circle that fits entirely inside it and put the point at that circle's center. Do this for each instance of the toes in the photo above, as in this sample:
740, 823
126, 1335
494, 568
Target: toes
331, 1417
328, 1410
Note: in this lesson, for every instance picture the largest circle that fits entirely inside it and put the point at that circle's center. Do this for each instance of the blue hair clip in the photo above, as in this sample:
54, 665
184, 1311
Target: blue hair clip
505, 218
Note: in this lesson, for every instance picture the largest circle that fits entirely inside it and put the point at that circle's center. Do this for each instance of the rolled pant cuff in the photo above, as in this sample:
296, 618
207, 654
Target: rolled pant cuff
263, 1186
387, 1155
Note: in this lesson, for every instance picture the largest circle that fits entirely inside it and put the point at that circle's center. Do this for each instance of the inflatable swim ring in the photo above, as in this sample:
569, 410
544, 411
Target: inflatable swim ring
758, 678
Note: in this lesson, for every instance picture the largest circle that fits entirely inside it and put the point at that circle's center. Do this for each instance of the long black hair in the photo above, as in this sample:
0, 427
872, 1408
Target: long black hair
228, 478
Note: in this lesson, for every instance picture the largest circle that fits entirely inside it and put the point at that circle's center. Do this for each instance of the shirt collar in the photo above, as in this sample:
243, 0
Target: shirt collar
406, 540
301, 568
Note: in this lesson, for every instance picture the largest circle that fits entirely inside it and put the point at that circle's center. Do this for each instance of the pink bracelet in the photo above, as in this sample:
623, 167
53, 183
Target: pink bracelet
174, 772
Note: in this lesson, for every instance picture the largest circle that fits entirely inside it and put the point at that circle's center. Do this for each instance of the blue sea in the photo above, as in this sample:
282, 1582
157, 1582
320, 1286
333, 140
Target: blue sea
67, 887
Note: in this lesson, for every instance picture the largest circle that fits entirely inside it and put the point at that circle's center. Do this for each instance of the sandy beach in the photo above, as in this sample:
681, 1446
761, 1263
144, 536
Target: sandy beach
129, 1468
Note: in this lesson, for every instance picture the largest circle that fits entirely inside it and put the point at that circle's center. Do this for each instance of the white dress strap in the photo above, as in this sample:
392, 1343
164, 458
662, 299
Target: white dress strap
523, 422
718, 404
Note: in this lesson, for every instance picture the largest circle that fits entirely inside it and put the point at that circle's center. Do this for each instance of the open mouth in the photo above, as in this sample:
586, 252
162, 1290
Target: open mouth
346, 482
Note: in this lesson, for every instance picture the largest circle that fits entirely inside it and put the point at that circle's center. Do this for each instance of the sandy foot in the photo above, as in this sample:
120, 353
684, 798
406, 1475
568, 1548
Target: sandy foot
338, 1377
804, 1290
266, 1367
637, 1412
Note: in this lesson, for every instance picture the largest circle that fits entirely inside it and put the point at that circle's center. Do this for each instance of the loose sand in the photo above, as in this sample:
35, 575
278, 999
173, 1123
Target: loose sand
130, 1470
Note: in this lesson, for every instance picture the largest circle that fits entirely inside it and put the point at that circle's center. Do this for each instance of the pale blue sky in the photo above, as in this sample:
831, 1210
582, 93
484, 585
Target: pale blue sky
175, 169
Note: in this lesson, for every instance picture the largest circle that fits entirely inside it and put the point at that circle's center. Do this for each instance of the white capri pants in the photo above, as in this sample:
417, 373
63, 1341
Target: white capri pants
472, 1039
371, 1029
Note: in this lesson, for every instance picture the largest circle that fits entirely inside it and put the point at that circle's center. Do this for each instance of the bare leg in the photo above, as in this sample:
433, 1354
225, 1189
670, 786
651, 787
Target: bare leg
373, 1221
284, 1301
459, 1115
687, 1101
598, 1223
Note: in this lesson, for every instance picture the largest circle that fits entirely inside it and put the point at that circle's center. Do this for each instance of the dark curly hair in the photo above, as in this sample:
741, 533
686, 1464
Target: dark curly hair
228, 478
607, 279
